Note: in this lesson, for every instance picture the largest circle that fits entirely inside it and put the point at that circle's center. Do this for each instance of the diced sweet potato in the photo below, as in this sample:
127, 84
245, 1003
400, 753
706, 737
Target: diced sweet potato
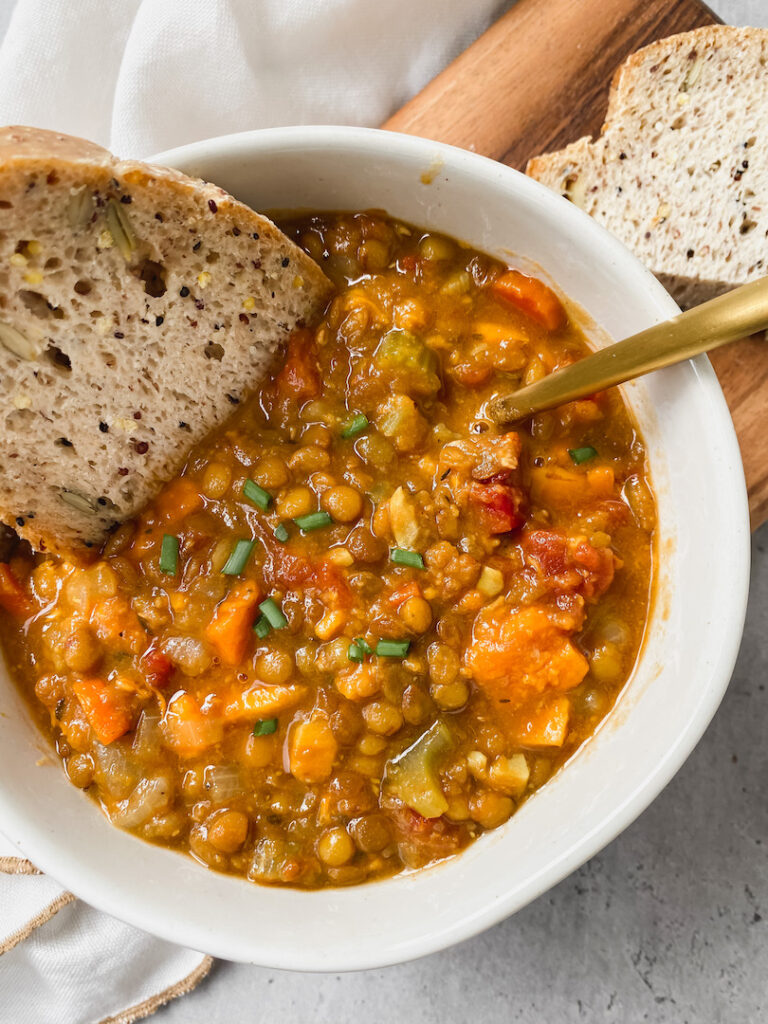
262, 701
515, 654
230, 628
117, 625
177, 500
187, 730
312, 749
553, 485
600, 481
107, 709
545, 725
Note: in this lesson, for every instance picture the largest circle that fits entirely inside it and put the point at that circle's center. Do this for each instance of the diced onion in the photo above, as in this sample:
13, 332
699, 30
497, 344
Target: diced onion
114, 771
188, 653
148, 739
149, 798
268, 858
222, 782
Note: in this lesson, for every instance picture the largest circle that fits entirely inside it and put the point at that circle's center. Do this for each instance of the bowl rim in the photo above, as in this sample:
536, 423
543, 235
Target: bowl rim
44, 848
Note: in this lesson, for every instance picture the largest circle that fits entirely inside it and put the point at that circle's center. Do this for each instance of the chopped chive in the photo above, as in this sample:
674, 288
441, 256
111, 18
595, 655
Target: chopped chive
281, 533
169, 554
261, 627
265, 727
364, 646
355, 652
273, 614
238, 560
257, 495
355, 425
580, 455
401, 556
313, 521
392, 648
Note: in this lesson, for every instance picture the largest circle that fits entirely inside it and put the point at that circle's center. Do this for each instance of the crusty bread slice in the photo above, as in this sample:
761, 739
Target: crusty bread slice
137, 306
680, 171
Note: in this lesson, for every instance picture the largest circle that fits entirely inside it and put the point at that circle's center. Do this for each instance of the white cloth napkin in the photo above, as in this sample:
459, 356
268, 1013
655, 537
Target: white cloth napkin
63, 962
141, 76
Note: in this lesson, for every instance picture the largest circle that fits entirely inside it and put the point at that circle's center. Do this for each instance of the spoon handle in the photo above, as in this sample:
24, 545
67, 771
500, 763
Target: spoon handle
727, 318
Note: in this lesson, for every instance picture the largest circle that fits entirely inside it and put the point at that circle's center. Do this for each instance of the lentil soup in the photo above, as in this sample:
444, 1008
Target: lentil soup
364, 624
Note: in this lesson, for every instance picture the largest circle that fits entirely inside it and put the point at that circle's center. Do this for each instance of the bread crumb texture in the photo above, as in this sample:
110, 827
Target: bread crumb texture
137, 306
680, 173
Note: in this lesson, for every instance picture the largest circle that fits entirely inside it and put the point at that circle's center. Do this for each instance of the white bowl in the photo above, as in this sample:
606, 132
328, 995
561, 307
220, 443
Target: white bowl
686, 662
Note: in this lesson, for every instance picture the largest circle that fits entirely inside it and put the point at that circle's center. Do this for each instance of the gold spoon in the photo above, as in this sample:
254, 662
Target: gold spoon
727, 318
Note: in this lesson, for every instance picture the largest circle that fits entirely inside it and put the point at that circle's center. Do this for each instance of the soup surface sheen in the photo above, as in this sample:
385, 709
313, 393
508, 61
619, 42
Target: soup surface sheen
364, 623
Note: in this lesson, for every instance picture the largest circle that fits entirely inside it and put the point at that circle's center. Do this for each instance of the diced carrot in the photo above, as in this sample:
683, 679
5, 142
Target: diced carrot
117, 625
187, 730
12, 597
230, 629
312, 748
262, 701
177, 500
404, 593
544, 726
300, 376
516, 653
531, 297
107, 709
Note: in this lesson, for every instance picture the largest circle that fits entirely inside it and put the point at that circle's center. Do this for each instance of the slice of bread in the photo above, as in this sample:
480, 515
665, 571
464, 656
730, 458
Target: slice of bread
137, 307
680, 171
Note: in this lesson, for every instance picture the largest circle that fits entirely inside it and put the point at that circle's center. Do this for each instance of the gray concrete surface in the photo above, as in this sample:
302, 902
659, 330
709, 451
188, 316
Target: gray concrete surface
668, 925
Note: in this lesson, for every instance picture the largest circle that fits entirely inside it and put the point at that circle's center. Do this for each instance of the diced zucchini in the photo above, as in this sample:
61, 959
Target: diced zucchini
402, 351
413, 775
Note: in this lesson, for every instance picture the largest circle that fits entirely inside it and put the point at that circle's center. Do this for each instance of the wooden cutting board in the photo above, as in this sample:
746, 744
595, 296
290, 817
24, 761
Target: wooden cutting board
537, 80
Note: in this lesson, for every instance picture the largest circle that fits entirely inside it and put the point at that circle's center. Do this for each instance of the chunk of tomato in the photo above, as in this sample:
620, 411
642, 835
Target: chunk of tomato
499, 507
157, 666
